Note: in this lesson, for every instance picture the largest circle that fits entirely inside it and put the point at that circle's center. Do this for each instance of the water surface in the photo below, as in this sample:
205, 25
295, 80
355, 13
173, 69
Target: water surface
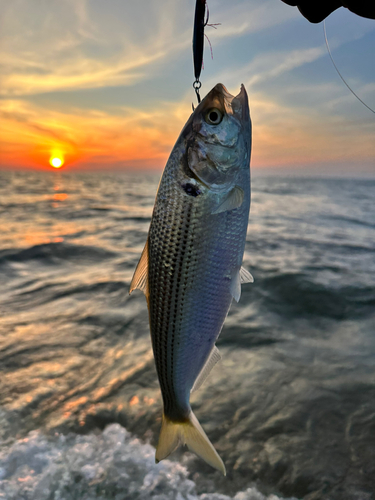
291, 407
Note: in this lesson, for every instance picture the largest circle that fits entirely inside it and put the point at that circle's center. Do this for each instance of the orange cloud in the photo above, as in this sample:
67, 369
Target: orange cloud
30, 134
284, 136
137, 138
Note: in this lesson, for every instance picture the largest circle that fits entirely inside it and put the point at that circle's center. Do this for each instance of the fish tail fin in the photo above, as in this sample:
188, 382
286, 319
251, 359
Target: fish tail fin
190, 432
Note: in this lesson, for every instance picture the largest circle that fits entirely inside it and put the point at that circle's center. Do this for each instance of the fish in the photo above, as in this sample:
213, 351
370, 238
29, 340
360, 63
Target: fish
191, 269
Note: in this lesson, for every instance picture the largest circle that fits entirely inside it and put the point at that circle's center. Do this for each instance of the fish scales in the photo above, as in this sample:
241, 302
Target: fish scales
190, 289
192, 259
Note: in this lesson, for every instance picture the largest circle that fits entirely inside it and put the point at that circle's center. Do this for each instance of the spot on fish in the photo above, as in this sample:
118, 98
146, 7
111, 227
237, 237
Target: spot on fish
191, 189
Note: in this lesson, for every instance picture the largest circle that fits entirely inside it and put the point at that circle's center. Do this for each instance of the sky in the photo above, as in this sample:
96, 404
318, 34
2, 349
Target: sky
107, 84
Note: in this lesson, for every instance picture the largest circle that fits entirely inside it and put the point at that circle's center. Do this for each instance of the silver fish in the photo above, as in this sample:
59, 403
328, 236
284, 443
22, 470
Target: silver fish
190, 268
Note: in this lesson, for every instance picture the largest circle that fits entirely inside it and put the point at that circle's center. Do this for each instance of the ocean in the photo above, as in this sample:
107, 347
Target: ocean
291, 406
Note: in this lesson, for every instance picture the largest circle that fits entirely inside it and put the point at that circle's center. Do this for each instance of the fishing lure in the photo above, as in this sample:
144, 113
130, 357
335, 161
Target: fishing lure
198, 37
200, 22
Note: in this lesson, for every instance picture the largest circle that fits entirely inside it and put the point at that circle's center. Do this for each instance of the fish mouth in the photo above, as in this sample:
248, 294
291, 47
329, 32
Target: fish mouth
242, 97
237, 106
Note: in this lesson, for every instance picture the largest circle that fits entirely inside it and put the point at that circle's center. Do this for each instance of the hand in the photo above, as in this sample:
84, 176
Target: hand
315, 11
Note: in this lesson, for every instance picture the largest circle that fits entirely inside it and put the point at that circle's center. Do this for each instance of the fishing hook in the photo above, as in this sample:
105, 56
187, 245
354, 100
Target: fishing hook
196, 86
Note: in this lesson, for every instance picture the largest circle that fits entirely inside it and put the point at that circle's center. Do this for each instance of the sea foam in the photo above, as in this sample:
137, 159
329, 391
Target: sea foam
109, 465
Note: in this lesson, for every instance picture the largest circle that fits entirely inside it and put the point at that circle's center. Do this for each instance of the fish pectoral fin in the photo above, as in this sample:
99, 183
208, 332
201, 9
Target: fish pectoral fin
190, 433
238, 277
233, 200
212, 359
235, 285
140, 277
245, 276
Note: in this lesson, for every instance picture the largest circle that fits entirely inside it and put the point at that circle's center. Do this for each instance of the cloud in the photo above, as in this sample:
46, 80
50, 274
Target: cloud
29, 133
274, 64
240, 18
73, 44
281, 135
291, 136
268, 66
68, 44
61, 46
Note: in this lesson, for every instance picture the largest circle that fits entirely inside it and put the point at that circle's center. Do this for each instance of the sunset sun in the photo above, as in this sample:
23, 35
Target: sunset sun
56, 162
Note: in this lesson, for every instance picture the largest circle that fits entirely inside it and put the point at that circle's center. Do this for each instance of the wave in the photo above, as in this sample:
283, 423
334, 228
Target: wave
105, 466
53, 253
346, 219
29, 296
297, 295
306, 245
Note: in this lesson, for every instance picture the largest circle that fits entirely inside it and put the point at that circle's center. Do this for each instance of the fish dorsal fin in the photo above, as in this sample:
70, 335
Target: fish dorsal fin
140, 277
233, 200
212, 359
238, 277
245, 276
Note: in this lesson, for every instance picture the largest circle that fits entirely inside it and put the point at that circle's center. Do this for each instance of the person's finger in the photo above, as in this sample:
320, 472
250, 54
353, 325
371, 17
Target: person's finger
315, 12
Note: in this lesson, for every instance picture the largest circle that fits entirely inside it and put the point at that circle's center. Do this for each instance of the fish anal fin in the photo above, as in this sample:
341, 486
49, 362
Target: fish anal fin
212, 359
140, 277
189, 432
233, 200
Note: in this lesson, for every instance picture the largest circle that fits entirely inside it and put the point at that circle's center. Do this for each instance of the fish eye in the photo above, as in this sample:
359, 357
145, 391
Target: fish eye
214, 116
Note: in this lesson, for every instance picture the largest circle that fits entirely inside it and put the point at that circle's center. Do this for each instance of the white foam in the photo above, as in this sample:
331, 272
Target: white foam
110, 465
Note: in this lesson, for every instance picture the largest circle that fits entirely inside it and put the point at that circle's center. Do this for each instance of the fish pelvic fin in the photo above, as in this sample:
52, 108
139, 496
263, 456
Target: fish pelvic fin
140, 277
189, 432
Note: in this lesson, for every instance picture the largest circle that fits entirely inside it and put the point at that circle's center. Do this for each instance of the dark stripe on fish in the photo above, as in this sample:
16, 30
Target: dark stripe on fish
170, 245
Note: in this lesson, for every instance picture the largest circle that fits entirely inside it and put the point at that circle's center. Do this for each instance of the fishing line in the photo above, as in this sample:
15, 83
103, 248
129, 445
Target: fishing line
336, 68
